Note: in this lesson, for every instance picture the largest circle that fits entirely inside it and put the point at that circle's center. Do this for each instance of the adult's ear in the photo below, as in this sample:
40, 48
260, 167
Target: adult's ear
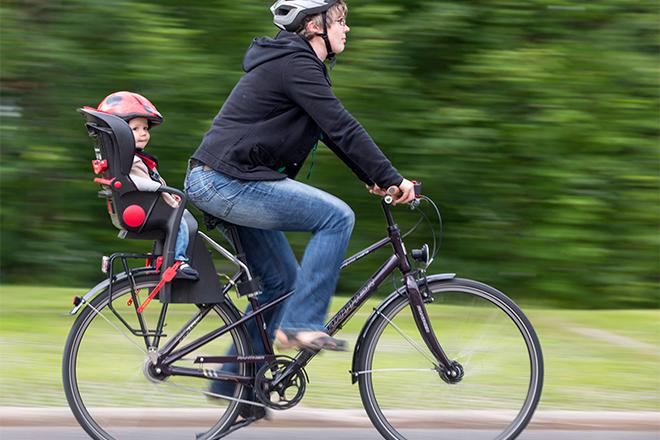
313, 28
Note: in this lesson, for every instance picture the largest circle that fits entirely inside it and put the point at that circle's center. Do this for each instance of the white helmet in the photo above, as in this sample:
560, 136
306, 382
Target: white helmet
289, 14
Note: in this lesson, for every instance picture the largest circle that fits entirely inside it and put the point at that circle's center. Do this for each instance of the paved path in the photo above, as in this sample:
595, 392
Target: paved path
312, 417
254, 433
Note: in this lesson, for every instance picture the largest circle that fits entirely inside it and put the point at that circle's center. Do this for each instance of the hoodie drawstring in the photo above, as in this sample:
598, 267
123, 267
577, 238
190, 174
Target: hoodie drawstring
311, 165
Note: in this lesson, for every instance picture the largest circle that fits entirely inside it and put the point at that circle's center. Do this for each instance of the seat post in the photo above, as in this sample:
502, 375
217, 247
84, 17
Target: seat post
231, 230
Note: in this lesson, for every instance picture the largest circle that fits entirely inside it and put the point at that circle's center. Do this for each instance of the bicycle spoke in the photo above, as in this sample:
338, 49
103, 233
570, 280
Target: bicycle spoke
98, 313
409, 339
216, 395
387, 370
467, 350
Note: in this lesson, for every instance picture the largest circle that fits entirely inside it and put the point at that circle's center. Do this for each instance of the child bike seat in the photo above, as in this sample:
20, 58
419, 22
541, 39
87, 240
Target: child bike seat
143, 214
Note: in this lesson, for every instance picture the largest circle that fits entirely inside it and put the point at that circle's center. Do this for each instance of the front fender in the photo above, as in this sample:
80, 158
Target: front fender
103, 285
378, 311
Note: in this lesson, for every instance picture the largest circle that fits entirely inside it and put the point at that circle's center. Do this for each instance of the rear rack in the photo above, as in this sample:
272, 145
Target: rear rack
143, 331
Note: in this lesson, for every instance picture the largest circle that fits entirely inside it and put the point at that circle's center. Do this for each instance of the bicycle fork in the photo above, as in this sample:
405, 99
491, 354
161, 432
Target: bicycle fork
450, 371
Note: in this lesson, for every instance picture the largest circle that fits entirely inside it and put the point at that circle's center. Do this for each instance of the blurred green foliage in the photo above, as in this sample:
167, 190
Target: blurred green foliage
534, 124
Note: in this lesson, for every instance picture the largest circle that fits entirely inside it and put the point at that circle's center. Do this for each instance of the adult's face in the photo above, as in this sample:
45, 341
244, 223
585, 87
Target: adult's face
337, 34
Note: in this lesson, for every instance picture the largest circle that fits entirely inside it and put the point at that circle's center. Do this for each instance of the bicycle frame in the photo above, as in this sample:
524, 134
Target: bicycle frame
170, 353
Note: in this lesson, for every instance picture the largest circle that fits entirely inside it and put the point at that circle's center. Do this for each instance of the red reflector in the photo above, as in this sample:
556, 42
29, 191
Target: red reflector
134, 216
99, 166
130, 300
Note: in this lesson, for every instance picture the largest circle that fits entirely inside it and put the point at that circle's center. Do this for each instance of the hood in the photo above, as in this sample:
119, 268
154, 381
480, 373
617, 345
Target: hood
264, 49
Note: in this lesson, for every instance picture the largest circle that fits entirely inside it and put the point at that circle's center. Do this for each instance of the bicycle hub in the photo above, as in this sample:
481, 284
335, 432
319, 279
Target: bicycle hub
452, 375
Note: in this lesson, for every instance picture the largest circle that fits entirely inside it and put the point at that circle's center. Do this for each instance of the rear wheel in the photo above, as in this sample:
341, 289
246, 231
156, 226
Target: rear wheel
402, 387
110, 383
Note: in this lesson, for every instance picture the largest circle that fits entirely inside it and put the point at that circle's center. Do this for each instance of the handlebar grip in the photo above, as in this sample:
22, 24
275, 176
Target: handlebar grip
391, 191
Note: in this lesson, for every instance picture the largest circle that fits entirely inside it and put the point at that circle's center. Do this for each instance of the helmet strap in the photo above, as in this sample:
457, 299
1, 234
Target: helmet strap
331, 56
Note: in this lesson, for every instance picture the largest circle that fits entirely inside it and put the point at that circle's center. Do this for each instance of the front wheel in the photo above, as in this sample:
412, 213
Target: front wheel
401, 384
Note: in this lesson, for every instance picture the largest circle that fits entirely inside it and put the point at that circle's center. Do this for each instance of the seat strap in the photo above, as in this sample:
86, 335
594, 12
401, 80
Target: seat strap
168, 276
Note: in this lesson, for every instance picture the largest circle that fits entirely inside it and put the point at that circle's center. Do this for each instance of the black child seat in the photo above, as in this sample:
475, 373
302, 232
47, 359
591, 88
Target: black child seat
145, 215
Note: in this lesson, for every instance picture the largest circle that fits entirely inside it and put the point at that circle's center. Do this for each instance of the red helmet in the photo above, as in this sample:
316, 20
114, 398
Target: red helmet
129, 105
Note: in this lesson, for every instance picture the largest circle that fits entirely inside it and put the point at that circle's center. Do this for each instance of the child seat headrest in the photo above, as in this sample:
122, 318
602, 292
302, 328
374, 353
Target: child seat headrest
119, 133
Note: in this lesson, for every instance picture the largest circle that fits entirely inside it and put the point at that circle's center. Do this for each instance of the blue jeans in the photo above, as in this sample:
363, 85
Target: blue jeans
262, 210
181, 242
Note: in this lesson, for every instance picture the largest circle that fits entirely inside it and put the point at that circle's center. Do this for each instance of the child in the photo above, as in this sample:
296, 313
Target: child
141, 115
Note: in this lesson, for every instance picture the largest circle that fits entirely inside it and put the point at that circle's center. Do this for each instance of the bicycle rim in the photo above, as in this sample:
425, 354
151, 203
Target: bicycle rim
486, 333
106, 381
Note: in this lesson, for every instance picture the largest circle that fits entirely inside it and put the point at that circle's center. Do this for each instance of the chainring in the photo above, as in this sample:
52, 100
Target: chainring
280, 384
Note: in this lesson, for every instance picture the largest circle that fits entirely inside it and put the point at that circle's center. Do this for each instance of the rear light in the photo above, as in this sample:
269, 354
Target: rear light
105, 263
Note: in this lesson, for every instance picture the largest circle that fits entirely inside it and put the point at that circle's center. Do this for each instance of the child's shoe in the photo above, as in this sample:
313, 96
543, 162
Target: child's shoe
187, 272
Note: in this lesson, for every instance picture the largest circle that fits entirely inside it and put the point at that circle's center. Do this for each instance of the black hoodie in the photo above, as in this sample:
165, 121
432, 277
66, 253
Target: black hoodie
279, 110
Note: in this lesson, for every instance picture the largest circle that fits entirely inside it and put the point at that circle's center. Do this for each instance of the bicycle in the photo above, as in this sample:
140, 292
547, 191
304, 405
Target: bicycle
438, 353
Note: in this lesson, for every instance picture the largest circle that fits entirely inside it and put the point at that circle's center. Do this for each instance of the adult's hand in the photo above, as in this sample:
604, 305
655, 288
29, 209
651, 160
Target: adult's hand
404, 193
377, 190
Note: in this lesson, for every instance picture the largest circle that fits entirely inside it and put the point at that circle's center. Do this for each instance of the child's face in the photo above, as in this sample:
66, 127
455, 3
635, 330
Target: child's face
140, 127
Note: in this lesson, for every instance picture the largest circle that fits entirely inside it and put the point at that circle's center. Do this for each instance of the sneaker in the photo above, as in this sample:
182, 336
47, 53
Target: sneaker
187, 272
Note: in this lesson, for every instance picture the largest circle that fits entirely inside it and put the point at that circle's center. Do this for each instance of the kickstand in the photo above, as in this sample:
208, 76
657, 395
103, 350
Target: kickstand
236, 425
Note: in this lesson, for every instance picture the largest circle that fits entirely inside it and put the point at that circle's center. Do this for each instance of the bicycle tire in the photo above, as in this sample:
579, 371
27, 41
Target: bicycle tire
496, 345
105, 381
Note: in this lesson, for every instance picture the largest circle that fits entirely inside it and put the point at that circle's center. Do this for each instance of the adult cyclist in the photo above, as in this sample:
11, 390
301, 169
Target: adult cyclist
243, 172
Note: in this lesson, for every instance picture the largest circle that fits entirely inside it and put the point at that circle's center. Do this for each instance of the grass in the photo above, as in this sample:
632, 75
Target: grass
594, 360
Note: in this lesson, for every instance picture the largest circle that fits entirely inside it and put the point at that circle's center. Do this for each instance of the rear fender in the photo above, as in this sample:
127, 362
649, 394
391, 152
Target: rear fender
391, 298
103, 285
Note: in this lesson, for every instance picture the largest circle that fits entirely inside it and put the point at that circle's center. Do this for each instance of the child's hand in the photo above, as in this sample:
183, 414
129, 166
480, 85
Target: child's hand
171, 199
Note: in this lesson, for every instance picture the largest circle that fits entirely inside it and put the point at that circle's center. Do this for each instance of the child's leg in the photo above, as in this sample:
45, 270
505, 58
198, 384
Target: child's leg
185, 271
181, 242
